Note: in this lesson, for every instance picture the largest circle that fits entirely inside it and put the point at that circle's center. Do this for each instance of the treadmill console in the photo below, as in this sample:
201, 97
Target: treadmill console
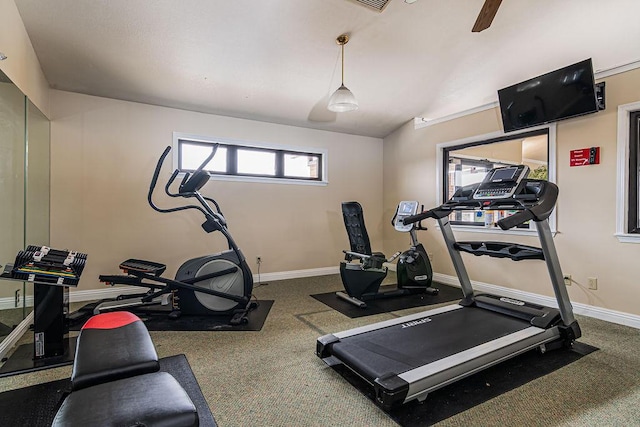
501, 183
405, 209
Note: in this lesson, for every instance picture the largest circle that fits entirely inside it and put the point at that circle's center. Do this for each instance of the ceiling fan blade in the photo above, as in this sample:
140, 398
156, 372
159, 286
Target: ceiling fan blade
487, 13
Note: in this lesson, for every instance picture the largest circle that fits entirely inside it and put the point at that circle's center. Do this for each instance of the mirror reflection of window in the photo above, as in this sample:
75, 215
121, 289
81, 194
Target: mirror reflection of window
470, 163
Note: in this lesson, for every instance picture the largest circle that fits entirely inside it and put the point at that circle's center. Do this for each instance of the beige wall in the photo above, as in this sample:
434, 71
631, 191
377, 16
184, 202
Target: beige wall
21, 65
103, 153
586, 206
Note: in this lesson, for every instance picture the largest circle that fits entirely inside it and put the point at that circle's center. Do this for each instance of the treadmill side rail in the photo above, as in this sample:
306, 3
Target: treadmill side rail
538, 315
433, 376
392, 322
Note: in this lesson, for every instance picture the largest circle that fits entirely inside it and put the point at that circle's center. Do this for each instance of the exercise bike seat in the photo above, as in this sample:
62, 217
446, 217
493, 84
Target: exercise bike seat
356, 230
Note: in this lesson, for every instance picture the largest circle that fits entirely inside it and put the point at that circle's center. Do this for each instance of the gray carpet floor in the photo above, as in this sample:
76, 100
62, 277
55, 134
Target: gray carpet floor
273, 378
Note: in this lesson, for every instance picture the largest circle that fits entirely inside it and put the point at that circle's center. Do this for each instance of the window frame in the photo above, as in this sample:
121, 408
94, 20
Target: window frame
624, 196
634, 164
234, 145
494, 137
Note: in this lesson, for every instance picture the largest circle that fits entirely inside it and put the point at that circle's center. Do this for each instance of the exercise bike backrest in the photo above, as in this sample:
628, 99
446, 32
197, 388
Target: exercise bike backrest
191, 183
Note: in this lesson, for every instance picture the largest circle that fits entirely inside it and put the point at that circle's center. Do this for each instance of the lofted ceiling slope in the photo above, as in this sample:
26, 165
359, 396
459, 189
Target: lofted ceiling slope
277, 60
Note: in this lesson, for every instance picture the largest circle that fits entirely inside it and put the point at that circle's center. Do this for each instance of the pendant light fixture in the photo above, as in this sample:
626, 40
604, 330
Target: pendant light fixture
342, 99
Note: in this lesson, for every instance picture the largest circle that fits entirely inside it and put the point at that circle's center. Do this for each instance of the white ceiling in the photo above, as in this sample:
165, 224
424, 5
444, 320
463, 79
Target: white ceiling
277, 60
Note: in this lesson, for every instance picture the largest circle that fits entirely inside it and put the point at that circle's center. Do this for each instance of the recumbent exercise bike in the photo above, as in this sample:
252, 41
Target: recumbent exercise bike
216, 284
362, 280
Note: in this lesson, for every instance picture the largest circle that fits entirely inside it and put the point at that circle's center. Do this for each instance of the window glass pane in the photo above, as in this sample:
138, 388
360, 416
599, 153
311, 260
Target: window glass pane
301, 165
192, 155
256, 162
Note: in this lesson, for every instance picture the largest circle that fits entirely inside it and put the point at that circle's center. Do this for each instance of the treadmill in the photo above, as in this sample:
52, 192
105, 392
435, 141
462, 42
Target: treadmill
406, 358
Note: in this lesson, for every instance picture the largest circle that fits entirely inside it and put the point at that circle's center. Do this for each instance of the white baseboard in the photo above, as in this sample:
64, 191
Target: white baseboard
296, 274
606, 314
9, 303
114, 291
108, 292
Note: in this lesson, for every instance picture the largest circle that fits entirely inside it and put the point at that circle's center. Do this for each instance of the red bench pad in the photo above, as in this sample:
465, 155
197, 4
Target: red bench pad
112, 346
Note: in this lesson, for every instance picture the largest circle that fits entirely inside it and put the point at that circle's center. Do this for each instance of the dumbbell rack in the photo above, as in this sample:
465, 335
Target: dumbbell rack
52, 272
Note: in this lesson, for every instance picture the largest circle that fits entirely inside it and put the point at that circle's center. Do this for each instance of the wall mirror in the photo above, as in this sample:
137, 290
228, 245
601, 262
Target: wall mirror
24, 189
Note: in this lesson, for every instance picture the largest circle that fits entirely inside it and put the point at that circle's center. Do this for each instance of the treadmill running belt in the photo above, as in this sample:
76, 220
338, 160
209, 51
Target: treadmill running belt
403, 347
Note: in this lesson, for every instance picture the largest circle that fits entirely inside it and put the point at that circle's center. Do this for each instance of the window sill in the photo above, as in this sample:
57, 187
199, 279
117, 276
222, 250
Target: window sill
628, 238
267, 180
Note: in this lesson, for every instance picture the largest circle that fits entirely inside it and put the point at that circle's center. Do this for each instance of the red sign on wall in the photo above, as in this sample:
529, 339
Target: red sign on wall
584, 156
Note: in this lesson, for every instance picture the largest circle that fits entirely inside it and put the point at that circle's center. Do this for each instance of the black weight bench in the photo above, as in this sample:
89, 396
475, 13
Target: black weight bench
115, 379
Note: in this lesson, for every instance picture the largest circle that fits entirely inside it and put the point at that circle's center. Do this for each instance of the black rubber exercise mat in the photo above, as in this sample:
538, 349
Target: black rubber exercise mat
159, 321
476, 389
384, 305
36, 405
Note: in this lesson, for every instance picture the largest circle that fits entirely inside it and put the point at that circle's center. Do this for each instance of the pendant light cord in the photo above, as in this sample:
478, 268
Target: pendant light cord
342, 77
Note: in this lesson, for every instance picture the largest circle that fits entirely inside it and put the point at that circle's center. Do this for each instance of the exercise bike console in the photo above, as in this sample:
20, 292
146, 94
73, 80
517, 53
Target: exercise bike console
405, 209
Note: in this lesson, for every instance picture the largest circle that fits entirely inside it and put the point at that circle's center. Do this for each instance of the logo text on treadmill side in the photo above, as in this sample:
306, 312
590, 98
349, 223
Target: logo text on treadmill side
416, 322
511, 301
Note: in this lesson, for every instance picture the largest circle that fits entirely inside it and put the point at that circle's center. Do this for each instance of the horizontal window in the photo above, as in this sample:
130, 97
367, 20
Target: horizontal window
250, 161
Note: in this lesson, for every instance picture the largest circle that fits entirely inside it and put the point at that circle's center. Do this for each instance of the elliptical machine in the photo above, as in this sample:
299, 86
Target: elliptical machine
214, 284
362, 280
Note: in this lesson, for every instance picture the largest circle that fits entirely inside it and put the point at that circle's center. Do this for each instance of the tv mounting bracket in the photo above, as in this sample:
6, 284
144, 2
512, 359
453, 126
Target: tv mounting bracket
600, 96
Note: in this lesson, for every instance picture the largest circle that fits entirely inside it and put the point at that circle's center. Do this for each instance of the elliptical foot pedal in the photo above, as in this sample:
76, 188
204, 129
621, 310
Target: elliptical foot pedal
132, 266
239, 319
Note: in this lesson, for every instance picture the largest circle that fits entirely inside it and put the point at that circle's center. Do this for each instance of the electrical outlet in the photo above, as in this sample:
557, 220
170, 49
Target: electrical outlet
258, 259
593, 283
567, 280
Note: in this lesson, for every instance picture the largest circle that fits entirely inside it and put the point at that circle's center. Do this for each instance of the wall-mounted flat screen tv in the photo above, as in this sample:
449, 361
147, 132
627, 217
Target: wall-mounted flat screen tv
561, 94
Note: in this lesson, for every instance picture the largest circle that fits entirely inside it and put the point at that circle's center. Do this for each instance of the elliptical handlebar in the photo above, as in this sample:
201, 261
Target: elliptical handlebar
156, 174
205, 209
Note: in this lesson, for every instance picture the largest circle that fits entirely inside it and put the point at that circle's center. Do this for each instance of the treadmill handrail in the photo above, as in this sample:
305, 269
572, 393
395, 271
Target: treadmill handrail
535, 201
